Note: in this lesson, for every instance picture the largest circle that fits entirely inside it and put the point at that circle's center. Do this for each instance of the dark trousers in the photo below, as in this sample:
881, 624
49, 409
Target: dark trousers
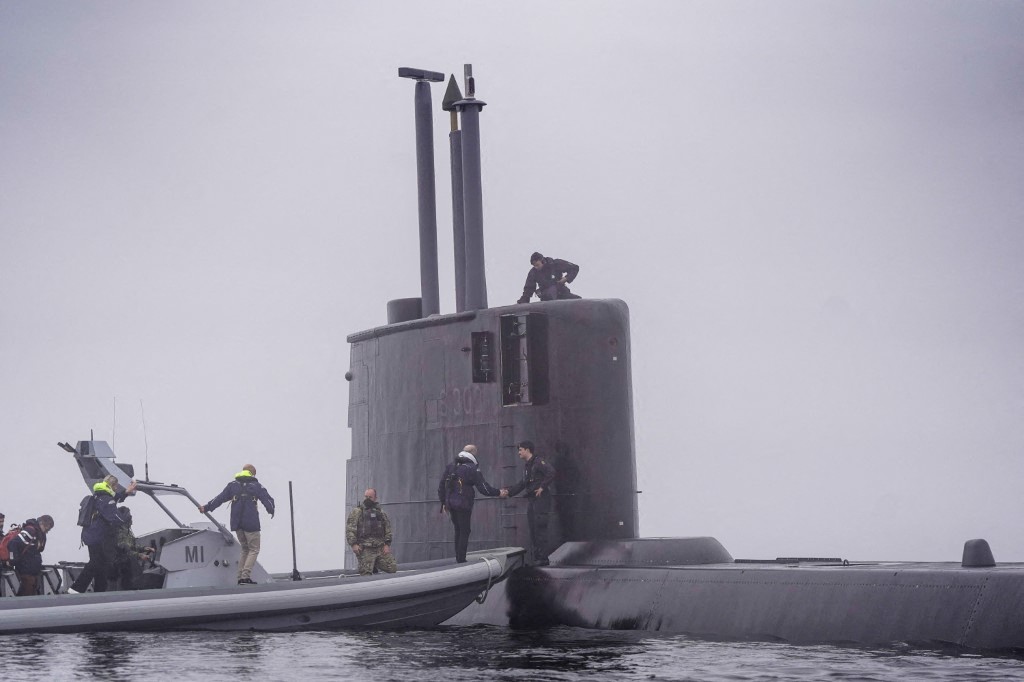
538, 514
555, 291
461, 521
28, 585
96, 571
124, 571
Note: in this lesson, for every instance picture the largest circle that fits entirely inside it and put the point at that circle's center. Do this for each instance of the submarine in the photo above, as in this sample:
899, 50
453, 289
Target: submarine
557, 373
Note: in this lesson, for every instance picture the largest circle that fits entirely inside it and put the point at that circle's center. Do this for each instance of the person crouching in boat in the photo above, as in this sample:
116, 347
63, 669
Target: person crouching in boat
26, 550
245, 516
98, 535
368, 533
127, 566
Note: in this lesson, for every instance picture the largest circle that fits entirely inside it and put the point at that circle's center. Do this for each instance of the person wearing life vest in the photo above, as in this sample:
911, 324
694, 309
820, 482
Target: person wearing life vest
243, 492
537, 479
98, 535
368, 533
456, 491
26, 550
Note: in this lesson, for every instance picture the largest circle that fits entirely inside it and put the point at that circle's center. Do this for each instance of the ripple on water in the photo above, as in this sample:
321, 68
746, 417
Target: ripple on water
475, 653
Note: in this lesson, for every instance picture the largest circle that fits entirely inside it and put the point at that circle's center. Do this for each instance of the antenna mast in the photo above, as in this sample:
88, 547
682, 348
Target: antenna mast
145, 437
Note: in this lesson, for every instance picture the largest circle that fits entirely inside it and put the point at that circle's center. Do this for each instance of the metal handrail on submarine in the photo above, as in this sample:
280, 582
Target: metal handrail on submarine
95, 461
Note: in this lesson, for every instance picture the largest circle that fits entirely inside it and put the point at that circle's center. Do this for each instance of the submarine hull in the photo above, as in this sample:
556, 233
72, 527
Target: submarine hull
799, 602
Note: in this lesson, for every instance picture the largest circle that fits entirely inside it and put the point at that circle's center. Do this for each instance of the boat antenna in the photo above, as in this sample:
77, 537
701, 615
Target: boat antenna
291, 507
145, 437
113, 434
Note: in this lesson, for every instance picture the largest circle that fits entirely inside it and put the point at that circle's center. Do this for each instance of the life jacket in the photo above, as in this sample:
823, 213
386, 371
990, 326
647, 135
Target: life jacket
248, 492
87, 509
5, 551
371, 522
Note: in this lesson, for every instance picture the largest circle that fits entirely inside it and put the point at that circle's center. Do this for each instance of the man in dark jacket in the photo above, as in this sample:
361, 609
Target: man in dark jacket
548, 278
245, 516
26, 553
98, 535
536, 481
456, 493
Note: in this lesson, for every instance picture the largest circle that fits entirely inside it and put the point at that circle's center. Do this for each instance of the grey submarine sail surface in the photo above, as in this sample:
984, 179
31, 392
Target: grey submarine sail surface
557, 373
190, 582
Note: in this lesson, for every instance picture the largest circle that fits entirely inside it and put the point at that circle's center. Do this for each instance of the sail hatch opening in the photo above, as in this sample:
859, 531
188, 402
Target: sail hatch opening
524, 359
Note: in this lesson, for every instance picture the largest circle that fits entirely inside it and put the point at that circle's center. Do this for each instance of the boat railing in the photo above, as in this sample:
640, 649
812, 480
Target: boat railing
155, 489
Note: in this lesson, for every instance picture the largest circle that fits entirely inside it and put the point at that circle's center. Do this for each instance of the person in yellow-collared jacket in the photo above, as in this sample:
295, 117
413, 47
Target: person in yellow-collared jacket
98, 534
245, 516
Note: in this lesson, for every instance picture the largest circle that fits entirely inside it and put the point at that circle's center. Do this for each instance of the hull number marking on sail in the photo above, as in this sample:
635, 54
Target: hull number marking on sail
456, 402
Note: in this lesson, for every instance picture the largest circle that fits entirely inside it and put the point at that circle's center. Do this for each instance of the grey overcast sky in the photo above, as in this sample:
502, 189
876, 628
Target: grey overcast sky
813, 209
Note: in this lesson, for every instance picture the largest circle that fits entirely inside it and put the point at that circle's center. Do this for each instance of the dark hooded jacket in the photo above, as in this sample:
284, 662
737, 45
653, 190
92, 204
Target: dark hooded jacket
243, 493
27, 548
548, 274
460, 478
104, 520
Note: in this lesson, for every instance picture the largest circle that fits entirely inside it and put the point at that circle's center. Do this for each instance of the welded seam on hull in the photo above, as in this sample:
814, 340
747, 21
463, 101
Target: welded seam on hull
974, 612
653, 607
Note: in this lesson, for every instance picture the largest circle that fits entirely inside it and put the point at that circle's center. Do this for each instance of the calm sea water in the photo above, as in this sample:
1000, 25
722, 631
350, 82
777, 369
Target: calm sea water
471, 653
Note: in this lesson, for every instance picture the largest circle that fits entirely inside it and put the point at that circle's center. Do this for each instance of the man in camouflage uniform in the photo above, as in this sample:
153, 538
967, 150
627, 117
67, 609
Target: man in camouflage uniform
128, 556
368, 533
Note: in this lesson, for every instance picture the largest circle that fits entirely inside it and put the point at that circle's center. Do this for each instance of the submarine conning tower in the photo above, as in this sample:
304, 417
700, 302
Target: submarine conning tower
425, 384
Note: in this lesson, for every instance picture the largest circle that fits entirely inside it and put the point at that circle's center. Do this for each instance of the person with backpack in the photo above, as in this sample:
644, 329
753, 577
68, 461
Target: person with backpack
456, 493
5, 545
5, 539
99, 520
25, 552
3, 520
245, 516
